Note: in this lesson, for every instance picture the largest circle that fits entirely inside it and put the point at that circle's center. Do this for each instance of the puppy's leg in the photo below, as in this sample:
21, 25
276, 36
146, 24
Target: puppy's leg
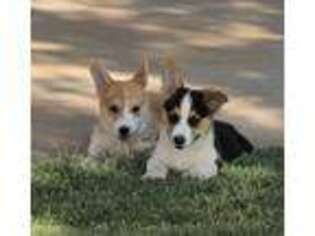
99, 150
155, 169
97, 144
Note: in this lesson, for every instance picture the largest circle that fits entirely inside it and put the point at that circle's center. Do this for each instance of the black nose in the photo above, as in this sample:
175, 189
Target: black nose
124, 131
179, 140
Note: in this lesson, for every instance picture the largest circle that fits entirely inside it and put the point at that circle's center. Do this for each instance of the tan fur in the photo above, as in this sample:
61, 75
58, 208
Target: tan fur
123, 94
125, 91
204, 126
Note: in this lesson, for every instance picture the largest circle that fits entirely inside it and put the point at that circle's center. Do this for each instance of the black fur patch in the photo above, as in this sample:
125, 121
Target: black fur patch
173, 118
198, 104
199, 107
194, 120
229, 142
197, 101
175, 99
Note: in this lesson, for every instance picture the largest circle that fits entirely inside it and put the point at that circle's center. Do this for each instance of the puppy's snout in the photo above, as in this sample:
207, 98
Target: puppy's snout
124, 132
179, 141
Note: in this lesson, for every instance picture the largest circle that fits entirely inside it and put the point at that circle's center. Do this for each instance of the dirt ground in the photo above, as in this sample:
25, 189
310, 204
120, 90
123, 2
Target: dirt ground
234, 44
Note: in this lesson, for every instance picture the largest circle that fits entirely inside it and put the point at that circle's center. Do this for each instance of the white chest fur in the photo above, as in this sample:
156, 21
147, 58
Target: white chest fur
197, 160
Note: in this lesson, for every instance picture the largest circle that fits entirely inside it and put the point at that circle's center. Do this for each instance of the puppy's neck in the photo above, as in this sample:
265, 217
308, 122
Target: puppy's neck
205, 141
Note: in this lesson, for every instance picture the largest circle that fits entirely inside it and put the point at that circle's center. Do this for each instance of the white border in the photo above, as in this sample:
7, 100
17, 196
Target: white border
15, 117
300, 118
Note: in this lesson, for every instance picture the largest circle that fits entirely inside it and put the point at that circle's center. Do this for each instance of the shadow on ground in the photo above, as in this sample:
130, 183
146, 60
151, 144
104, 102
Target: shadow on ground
236, 45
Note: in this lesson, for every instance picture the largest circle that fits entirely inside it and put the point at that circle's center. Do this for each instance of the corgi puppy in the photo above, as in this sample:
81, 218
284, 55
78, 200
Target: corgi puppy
187, 139
191, 141
127, 112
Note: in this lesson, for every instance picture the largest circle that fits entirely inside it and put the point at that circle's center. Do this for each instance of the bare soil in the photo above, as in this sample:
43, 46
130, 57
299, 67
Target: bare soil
236, 45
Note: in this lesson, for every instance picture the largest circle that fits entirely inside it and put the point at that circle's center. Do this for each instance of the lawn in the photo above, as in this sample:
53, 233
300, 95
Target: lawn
68, 198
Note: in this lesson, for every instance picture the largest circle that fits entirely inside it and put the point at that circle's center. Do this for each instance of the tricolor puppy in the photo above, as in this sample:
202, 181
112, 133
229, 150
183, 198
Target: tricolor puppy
187, 139
127, 115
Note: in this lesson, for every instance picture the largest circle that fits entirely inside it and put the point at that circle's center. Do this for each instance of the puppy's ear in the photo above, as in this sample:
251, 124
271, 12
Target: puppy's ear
101, 76
173, 77
141, 75
214, 99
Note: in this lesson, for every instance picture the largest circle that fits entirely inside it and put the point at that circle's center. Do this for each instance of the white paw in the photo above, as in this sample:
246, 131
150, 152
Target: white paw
89, 162
198, 175
148, 176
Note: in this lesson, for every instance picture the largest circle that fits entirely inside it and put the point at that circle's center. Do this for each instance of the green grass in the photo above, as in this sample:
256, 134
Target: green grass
246, 198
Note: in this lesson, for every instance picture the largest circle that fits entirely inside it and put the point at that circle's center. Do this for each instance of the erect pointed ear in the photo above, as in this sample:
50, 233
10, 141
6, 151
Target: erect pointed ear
101, 76
141, 75
214, 99
173, 78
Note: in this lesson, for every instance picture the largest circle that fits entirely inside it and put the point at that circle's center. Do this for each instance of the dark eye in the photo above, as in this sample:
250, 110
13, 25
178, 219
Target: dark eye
114, 108
169, 104
173, 118
135, 109
193, 120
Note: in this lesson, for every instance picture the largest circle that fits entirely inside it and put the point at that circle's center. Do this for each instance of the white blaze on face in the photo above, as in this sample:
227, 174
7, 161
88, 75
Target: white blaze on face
128, 119
182, 128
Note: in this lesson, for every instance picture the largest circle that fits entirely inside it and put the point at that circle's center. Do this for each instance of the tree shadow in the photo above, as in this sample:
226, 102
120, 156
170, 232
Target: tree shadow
236, 45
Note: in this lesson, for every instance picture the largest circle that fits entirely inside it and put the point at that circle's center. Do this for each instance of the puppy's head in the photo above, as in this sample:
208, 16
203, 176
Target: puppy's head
122, 103
189, 113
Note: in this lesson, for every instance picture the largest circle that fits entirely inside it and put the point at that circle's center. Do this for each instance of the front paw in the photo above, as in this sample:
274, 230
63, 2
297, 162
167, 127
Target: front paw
198, 175
90, 162
148, 176
99, 162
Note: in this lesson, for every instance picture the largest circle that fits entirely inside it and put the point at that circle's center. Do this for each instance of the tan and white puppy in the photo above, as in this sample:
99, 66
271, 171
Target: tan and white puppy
127, 112
186, 141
